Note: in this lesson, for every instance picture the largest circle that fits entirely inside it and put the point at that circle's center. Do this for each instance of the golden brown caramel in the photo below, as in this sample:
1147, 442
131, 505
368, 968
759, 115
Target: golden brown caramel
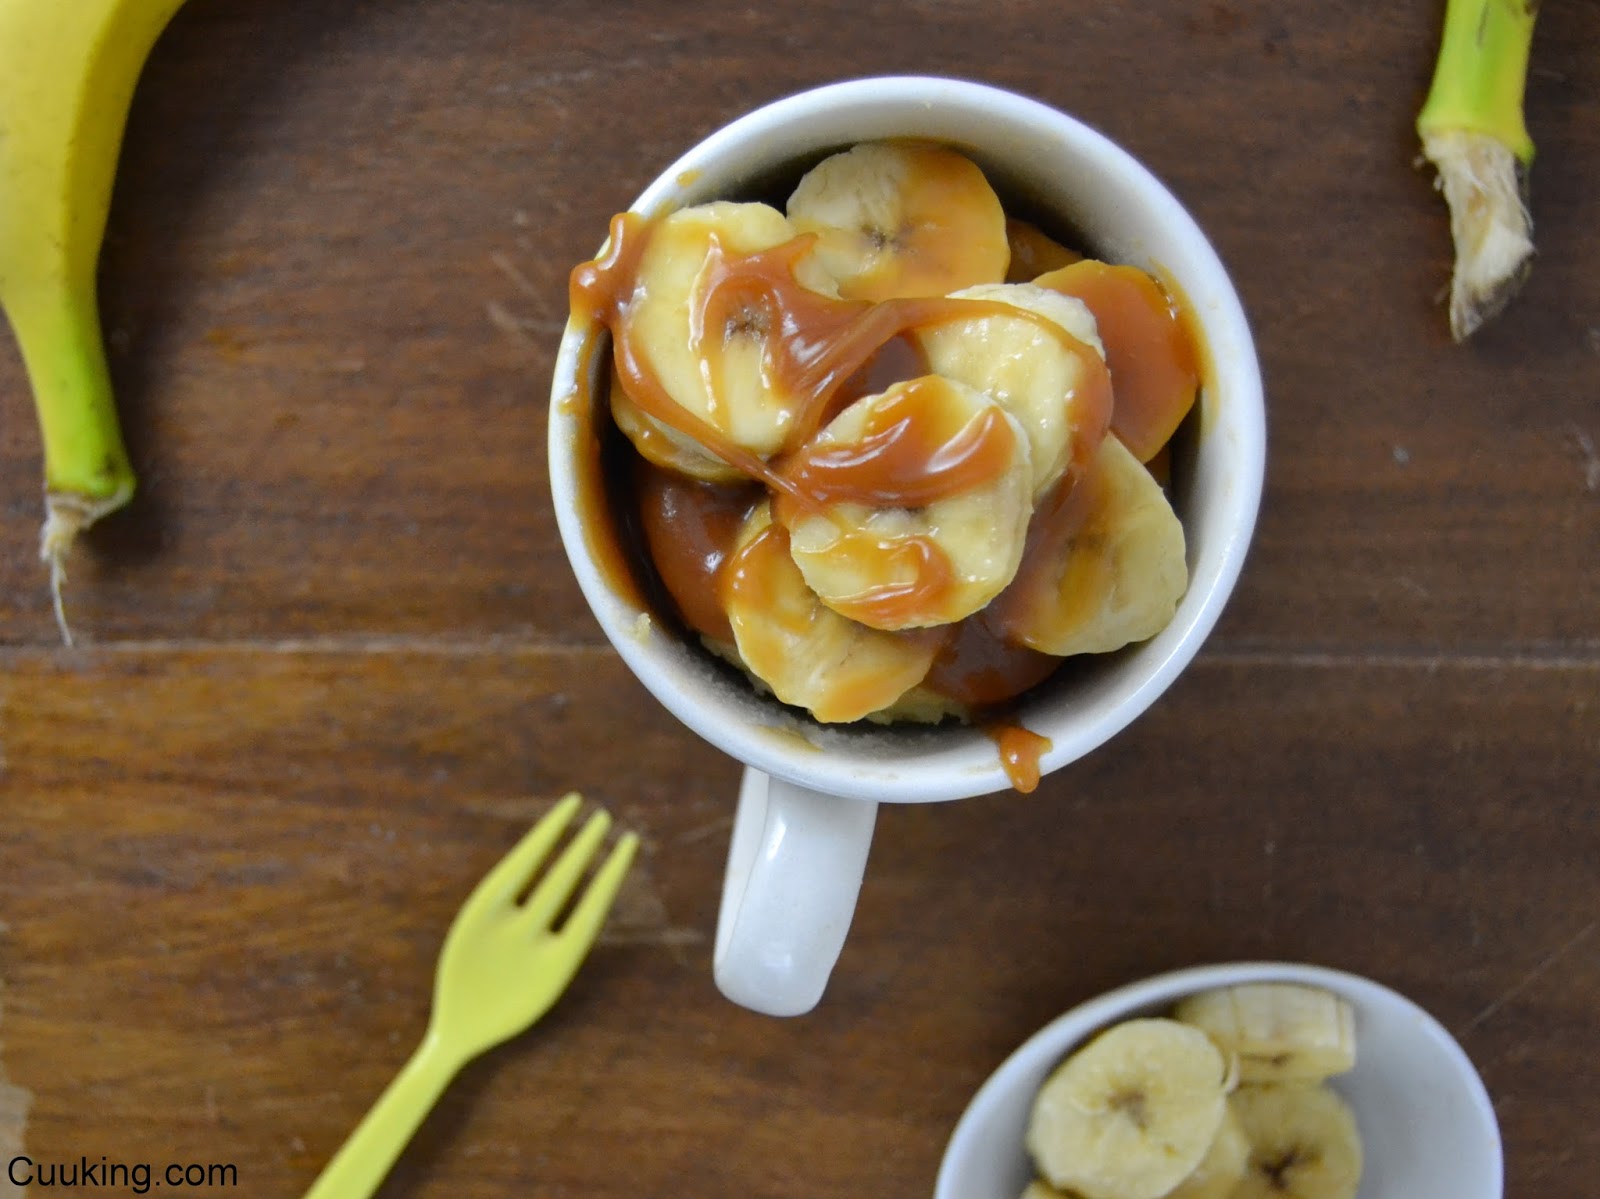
1020, 751
602, 291
979, 668
1062, 516
918, 448
1150, 351
898, 360
602, 532
691, 529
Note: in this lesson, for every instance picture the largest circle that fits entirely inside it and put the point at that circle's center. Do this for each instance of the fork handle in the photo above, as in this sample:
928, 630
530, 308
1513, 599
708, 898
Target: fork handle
372, 1149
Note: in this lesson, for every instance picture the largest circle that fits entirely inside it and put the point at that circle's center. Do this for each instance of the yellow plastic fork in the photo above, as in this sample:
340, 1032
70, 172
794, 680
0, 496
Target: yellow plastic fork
501, 968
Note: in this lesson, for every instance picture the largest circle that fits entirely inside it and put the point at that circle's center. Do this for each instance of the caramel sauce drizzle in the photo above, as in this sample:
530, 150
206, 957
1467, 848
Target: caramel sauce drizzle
690, 528
1150, 350
978, 667
1062, 515
914, 451
911, 454
748, 570
814, 343
602, 290
919, 574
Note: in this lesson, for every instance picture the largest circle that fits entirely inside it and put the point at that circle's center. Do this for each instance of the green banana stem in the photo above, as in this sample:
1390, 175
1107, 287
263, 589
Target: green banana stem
83, 452
1473, 131
1482, 73
87, 471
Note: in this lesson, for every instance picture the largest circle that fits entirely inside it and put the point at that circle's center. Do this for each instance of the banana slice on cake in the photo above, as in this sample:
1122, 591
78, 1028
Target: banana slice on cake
808, 654
916, 505
898, 219
1110, 575
1304, 1143
715, 363
1280, 1032
1132, 1114
1044, 365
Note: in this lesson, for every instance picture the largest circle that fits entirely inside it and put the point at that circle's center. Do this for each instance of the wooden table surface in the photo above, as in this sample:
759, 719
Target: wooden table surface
333, 661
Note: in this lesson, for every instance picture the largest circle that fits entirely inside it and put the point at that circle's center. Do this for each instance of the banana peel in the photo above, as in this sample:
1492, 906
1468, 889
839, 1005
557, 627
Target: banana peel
67, 76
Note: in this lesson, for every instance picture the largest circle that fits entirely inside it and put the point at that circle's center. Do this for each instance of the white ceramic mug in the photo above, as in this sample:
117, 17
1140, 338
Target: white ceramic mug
810, 792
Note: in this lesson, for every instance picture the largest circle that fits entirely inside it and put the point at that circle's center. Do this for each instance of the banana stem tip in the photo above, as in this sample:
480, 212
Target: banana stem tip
65, 516
1485, 187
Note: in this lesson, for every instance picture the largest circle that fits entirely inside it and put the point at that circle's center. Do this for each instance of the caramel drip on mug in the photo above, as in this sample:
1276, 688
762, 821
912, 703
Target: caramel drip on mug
1020, 751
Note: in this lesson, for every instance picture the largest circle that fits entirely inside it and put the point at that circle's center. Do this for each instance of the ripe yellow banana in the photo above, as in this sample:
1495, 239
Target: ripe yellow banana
902, 218
720, 373
1120, 575
1039, 378
1304, 1143
1223, 1167
925, 505
1280, 1032
1220, 1172
1040, 1189
804, 651
67, 74
1132, 1114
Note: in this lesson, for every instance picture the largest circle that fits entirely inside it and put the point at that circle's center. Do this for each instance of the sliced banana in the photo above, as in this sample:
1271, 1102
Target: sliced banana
1042, 373
1280, 1032
808, 654
1304, 1143
1132, 1114
663, 445
902, 218
1115, 578
1224, 1164
919, 505
719, 370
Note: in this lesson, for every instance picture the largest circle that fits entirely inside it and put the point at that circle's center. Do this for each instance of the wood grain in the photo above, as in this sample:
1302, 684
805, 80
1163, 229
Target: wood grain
232, 869
335, 660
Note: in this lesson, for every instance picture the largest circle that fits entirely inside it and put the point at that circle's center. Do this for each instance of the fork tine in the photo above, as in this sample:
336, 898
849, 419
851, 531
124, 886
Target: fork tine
584, 924
557, 886
511, 874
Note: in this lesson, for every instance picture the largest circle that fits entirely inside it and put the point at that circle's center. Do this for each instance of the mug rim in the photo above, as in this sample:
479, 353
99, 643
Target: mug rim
950, 763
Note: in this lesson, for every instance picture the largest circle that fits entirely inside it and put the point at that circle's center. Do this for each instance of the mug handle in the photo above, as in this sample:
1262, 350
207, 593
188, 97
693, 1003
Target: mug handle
795, 863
